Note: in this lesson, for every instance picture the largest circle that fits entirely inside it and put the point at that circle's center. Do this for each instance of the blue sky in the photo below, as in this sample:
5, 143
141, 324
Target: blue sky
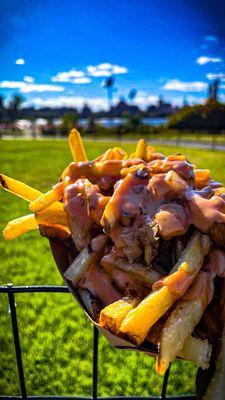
57, 53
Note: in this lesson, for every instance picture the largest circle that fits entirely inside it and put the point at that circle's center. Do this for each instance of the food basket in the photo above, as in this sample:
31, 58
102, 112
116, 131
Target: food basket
62, 254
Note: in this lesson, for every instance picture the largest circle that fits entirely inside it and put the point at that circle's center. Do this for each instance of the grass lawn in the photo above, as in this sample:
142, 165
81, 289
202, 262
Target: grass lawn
56, 337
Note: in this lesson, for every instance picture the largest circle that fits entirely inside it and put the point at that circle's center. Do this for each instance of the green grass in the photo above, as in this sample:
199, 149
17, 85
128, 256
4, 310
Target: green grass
56, 337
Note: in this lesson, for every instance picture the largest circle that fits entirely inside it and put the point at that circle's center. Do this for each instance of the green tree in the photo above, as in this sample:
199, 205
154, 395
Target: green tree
14, 108
69, 121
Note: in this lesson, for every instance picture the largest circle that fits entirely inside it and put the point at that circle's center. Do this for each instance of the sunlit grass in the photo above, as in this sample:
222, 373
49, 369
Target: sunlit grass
56, 337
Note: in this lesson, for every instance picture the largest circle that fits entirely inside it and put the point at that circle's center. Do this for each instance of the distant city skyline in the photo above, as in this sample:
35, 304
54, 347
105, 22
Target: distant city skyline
58, 53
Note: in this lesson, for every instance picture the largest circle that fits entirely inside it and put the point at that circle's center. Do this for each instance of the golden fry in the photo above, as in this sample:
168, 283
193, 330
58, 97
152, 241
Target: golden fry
19, 188
141, 149
47, 199
140, 320
24, 191
19, 226
51, 216
76, 146
112, 315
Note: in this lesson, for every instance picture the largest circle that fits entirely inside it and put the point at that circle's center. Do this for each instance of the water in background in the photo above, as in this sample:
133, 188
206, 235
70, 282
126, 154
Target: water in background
113, 122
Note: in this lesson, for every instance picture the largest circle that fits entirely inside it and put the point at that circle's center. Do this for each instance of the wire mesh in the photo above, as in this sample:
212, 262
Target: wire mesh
11, 290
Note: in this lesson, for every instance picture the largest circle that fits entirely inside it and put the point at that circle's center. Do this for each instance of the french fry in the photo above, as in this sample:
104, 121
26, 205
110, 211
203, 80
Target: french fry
202, 177
79, 266
151, 154
76, 146
19, 188
130, 170
112, 316
196, 350
141, 149
24, 191
183, 319
139, 321
94, 170
178, 327
47, 199
19, 226
115, 153
51, 216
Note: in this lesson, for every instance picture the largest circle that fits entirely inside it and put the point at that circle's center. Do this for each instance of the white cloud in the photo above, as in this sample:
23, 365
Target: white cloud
82, 81
211, 38
103, 66
218, 75
28, 79
205, 60
95, 103
68, 76
106, 69
116, 69
20, 61
25, 87
180, 86
93, 71
143, 100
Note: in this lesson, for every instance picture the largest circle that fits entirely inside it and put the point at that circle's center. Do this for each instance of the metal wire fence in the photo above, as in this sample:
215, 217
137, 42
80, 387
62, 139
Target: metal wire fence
11, 290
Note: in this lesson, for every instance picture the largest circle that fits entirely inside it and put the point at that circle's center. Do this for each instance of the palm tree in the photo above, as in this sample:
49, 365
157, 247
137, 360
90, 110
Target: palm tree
108, 84
132, 94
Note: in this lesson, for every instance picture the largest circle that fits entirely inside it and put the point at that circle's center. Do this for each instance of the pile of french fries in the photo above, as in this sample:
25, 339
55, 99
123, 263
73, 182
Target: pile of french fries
150, 200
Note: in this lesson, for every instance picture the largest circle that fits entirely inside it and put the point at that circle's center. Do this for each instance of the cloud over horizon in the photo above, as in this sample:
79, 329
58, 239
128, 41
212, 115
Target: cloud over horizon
143, 100
26, 87
181, 86
95, 103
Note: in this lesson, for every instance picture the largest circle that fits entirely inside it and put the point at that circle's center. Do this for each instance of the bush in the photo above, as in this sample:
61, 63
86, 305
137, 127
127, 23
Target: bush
208, 117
